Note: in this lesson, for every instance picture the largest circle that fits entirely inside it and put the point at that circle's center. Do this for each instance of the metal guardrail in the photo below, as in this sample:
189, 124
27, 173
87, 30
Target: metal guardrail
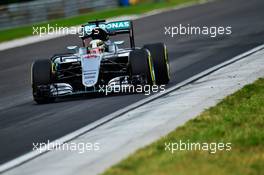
42, 10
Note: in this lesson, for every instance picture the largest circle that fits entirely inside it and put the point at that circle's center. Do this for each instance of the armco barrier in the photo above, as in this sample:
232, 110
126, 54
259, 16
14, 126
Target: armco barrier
42, 10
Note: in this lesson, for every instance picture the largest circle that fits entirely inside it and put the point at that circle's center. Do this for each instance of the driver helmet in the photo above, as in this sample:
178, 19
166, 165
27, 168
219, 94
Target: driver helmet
97, 44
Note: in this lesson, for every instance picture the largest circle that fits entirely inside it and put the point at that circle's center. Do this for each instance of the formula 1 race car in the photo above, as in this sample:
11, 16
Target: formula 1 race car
99, 63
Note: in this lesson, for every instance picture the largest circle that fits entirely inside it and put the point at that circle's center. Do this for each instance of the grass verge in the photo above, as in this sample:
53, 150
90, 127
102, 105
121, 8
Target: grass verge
19, 32
238, 119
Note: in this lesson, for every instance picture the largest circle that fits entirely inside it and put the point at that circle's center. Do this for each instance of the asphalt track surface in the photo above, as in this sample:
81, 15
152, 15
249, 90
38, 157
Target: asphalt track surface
22, 122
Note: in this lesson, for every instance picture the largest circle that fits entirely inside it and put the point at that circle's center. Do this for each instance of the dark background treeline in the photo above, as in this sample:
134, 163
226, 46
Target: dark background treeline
2, 2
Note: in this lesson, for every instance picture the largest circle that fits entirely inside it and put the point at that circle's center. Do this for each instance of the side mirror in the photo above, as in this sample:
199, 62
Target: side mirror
119, 42
72, 48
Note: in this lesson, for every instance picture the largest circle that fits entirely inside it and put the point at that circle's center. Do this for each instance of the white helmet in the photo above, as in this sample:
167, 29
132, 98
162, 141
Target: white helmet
96, 44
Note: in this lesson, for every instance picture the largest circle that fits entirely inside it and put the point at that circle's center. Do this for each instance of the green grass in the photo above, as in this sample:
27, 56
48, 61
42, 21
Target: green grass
238, 119
19, 32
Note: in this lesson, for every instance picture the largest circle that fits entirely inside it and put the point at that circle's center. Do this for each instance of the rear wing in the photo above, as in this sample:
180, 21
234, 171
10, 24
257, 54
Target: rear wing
112, 28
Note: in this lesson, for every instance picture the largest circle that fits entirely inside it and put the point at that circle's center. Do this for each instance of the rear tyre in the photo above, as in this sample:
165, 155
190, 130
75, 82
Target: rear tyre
41, 76
159, 56
142, 64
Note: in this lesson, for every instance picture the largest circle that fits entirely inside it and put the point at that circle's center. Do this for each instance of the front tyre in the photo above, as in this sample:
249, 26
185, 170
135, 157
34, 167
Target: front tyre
141, 64
159, 55
41, 77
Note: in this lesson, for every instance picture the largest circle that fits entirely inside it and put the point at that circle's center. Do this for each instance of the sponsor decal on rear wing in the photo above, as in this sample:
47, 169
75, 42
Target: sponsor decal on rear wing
115, 26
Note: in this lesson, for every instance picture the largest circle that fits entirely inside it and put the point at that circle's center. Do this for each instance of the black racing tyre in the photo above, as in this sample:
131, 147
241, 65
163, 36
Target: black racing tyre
141, 64
41, 75
160, 59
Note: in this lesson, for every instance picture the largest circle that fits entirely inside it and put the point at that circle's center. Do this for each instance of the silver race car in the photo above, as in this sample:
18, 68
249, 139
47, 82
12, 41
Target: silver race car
100, 64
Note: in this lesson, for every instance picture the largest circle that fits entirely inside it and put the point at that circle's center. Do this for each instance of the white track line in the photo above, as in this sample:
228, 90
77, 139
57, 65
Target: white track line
33, 154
